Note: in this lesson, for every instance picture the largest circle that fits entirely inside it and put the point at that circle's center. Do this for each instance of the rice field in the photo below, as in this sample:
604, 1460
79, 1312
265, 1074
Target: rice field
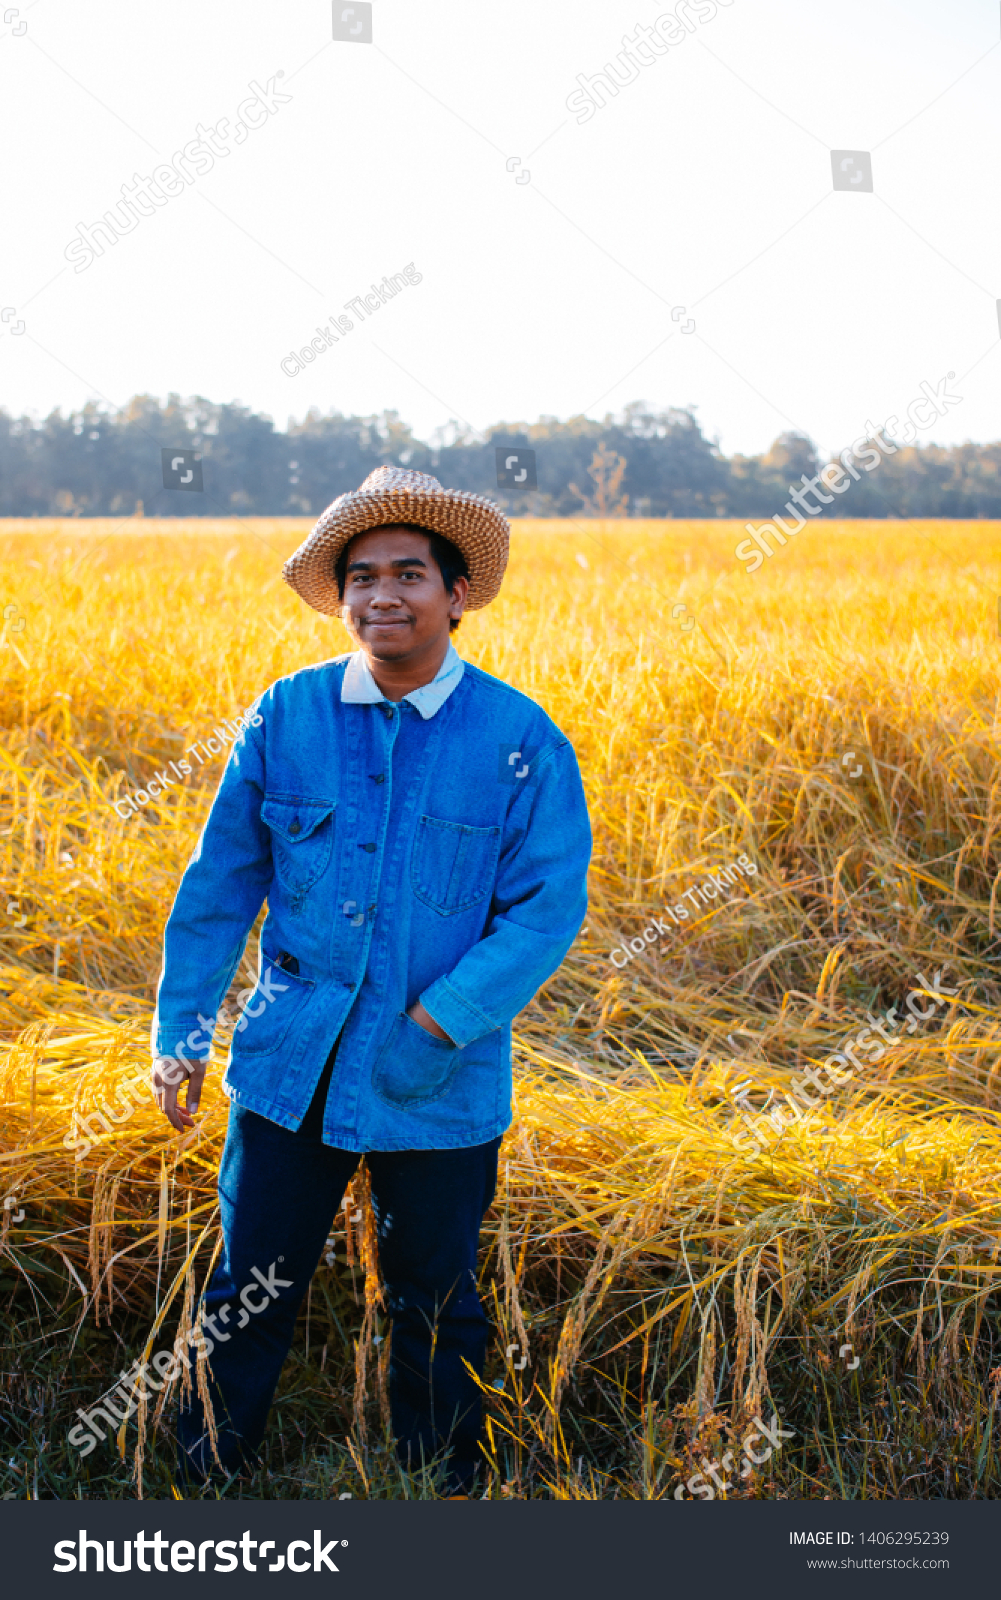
658, 1276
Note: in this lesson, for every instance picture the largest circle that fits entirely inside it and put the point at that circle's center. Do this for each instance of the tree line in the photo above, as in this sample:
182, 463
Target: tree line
642, 463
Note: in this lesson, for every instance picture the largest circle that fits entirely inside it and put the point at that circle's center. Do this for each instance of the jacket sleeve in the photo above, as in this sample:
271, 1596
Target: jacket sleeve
223, 888
539, 903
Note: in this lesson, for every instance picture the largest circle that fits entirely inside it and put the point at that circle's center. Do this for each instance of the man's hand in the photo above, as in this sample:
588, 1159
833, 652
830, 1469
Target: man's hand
425, 1020
169, 1073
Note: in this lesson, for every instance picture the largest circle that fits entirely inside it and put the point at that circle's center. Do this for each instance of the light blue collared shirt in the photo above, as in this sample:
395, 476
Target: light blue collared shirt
359, 688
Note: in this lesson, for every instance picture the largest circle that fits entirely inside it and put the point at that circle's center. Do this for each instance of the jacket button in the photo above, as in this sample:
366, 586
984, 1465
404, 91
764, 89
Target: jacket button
295, 828
368, 847
377, 777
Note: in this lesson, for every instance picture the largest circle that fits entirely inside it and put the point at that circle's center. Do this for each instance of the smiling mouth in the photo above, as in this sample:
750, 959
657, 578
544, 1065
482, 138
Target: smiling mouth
386, 622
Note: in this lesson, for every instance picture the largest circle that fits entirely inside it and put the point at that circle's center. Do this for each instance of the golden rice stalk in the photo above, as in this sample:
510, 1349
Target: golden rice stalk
374, 1298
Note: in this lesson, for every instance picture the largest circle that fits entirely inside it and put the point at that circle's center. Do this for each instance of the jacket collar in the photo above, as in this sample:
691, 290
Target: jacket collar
359, 688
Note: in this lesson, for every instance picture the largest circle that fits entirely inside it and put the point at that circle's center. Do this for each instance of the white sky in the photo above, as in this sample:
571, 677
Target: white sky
552, 296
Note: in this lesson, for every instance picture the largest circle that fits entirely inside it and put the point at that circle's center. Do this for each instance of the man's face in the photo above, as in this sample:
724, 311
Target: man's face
395, 602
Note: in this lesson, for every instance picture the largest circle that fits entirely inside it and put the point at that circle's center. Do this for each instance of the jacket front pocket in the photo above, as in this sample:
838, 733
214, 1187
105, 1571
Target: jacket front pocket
413, 1067
273, 1007
302, 838
453, 865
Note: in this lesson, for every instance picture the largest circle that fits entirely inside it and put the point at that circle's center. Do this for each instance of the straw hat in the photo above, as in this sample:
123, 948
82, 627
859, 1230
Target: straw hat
393, 494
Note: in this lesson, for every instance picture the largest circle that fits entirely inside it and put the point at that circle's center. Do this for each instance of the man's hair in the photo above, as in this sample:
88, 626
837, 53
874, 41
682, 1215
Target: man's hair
447, 557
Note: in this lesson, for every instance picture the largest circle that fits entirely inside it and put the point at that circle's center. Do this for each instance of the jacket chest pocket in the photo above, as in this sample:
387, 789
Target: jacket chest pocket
453, 865
302, 838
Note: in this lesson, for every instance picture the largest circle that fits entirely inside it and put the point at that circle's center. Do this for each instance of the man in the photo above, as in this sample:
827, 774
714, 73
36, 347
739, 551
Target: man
419, 832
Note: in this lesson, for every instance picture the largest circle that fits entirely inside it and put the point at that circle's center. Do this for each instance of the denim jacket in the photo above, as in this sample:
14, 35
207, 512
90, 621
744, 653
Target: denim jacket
432, 849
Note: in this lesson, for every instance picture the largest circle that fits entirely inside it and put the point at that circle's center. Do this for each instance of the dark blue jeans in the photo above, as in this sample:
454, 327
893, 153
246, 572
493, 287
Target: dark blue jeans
278, 1194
